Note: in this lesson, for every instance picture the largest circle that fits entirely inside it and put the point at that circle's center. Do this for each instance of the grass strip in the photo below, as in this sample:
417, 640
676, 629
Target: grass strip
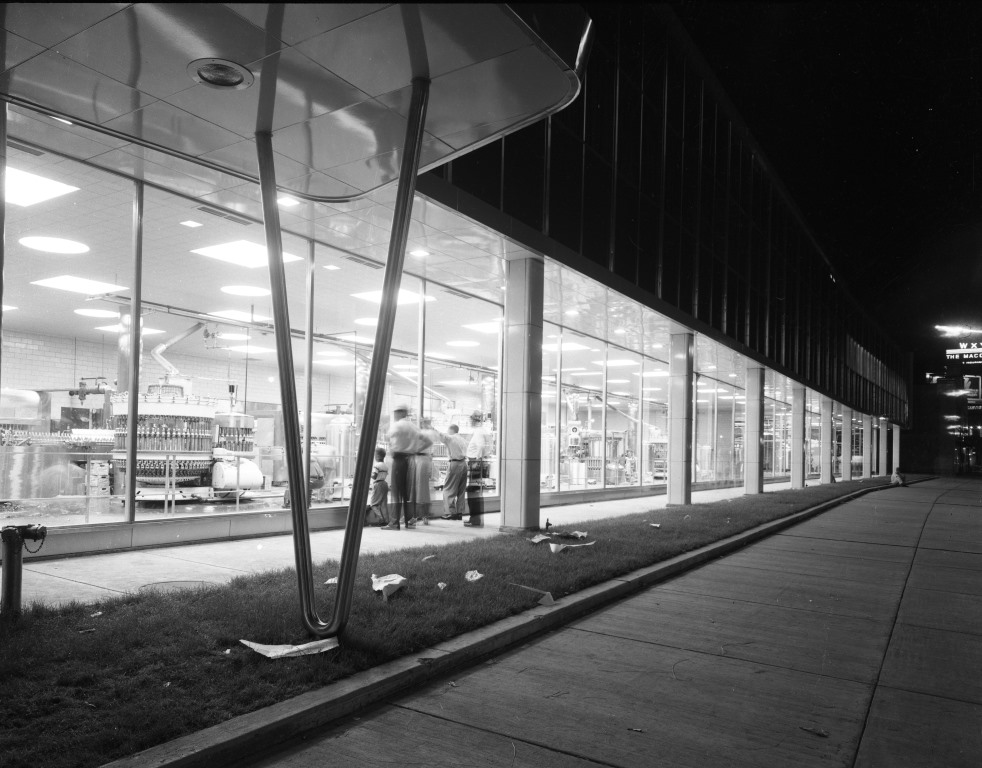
79, 689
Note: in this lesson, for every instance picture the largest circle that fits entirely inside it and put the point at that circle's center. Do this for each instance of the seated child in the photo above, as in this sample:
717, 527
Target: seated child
898, 478
378, 493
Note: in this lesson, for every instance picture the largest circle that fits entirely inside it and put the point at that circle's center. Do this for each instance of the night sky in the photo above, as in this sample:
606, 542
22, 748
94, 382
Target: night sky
870, 113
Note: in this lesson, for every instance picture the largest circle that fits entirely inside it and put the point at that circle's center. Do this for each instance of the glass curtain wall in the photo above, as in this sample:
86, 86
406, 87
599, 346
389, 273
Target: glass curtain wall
621, 424
552, 406
654, 422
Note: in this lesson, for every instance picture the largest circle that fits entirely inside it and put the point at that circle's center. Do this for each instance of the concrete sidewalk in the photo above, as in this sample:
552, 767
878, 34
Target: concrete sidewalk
89, 578
851, 639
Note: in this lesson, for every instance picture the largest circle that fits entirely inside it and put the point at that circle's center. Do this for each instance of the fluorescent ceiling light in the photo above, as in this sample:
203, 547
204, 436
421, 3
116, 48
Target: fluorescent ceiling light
463, 344
241, 253
571, 370
118, 328
26, 189
589, 373
233, 336
702, 401
649, 374
453, 383
245, 290
492, 327
191, 223
651, 389
7, 306
236, 314
571, 313
335, 363
568, 346
616, 363
439, 356
618, 381
371, 322
657, 346
419, 253
53, 245
96, 313
288, 202
331, 267
732, 375
249, 348
405, 297
620, 331
78, 285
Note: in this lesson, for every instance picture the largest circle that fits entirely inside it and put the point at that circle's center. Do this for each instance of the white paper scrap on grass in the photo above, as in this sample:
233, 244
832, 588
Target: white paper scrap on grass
579, 534
332, 580
539, 538
442, 585
655, 525
286, 651
387, 585
429, 557
473, 575
560, 547
546, 598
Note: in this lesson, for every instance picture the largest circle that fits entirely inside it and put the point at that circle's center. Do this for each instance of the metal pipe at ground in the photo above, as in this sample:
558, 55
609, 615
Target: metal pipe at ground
13, 538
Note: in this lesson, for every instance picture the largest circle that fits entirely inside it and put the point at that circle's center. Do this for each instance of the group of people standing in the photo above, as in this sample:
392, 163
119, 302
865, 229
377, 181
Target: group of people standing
411, 454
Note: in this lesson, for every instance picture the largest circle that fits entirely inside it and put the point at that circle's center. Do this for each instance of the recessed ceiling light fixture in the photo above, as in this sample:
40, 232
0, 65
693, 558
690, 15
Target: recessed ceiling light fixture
191, 223
236, 314
118, 328
96, 313
288, 202
53, 245
220, 73
492, 327
419, 253
331, 267
245, 290
78, 285
405, 297
7, 306
569, 346
24, 189
241, 253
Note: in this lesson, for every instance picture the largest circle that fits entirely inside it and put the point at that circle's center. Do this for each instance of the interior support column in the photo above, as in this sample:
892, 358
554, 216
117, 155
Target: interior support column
896, 445
846, 450
828, 446
867, 446
797, 436
884, 465
521, 395
753, 463
680, 421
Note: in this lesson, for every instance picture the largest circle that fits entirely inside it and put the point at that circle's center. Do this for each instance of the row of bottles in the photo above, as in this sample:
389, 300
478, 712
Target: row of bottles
235, 438
166, 433
183, 469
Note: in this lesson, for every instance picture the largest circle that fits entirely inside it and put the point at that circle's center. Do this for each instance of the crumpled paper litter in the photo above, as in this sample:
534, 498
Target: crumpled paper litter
287, 651
388, 585
473, 575
560, 547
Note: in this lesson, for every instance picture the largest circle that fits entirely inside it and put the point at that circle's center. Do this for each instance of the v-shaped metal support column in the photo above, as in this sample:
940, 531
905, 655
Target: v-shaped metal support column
376, 380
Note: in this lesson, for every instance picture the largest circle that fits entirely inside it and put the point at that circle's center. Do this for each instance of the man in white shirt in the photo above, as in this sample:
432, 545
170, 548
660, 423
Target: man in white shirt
455, 484
478, 449
405, 440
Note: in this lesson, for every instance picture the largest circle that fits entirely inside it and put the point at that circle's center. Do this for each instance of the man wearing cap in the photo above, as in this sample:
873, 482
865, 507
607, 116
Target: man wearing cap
405, 440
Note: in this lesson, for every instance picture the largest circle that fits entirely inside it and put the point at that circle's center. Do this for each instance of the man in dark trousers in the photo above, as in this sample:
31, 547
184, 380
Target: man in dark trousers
455, 484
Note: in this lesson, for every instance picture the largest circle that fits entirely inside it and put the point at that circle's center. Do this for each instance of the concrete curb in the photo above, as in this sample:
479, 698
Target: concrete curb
246, 736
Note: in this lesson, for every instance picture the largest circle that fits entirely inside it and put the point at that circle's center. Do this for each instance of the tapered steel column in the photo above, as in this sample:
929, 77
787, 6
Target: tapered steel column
136, 341
798, 470
376, 379
867, 446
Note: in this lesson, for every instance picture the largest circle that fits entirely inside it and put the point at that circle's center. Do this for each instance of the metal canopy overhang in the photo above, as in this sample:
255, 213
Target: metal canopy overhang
337, 109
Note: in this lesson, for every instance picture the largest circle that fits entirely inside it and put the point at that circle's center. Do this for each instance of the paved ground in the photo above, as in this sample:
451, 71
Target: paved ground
852, 639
